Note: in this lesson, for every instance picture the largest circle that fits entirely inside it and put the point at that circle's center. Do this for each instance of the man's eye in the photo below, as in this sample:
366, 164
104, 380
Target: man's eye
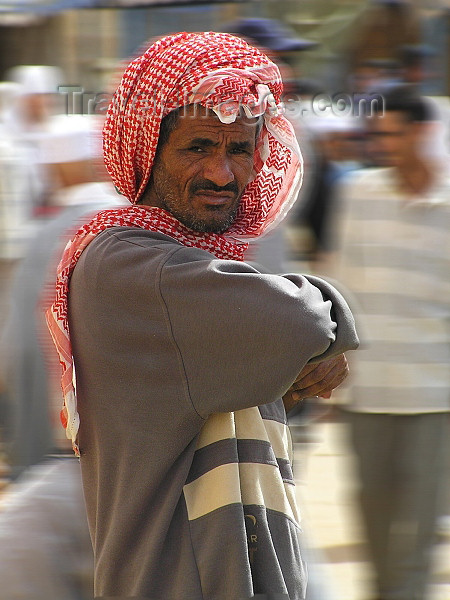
197, 149
242, 151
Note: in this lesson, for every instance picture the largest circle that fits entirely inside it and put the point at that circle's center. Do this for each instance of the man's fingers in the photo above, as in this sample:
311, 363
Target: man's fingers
313, 374
322, 380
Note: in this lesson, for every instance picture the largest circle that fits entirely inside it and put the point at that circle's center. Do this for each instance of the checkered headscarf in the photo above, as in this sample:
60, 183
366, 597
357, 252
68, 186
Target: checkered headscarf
220, 72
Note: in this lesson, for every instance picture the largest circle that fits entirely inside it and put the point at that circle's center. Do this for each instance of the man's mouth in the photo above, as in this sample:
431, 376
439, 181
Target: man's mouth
214, 198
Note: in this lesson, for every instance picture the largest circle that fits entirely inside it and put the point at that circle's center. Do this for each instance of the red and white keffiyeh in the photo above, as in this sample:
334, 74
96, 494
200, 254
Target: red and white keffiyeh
223, 73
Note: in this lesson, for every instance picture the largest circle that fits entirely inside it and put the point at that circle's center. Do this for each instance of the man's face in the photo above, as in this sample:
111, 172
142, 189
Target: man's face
392, 138
200, 173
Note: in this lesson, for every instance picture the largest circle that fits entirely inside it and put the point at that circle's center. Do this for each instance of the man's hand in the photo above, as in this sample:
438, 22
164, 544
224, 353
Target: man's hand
318, 379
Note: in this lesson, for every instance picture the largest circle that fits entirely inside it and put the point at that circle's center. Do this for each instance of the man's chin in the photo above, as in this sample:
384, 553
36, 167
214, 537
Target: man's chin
212, 224
206, 227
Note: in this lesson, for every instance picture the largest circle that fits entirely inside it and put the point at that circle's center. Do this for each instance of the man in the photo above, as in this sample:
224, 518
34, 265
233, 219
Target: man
183, 351
396, 259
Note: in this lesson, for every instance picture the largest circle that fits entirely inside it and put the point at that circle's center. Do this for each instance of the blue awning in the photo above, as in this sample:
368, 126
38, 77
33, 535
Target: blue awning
43, 7
49, 7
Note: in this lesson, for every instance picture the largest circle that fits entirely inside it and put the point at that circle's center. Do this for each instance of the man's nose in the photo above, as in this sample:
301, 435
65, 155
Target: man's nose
217, 168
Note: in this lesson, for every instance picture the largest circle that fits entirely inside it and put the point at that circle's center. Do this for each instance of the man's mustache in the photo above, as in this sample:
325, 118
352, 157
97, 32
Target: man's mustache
209, 186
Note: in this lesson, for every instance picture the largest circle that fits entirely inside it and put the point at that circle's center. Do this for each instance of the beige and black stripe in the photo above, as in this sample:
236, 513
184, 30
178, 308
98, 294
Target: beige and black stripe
243, 457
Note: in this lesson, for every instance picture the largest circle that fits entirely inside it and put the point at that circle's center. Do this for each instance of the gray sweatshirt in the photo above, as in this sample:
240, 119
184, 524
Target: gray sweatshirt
181, 360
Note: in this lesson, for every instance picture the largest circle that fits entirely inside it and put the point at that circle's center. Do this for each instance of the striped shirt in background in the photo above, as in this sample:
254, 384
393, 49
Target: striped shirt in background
395, 258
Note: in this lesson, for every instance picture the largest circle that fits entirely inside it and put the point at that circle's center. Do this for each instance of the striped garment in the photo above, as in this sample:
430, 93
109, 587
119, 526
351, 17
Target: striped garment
240, 487
395, 258
236, 449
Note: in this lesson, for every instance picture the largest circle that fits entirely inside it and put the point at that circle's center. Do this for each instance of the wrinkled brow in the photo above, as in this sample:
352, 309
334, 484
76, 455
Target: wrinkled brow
208, 143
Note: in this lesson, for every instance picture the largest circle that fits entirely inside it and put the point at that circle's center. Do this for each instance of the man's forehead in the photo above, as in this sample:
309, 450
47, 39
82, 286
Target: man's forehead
392, 117
197, 117
389, 121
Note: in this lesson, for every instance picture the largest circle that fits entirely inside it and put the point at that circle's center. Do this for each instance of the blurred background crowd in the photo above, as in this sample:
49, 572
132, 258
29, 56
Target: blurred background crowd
367, 90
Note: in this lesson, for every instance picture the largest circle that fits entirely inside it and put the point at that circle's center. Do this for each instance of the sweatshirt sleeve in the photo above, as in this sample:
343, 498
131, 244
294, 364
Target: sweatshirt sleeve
242, 337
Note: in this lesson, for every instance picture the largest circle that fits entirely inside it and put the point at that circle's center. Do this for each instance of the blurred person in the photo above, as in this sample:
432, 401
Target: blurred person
395, 258
40, 128
419, 69
377, 34
375, 76
46, 153
45, 550
14, 178
417, 64
13, 195
182, 351
276, 39
336, 143
31, 433
30, 122
9, 91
